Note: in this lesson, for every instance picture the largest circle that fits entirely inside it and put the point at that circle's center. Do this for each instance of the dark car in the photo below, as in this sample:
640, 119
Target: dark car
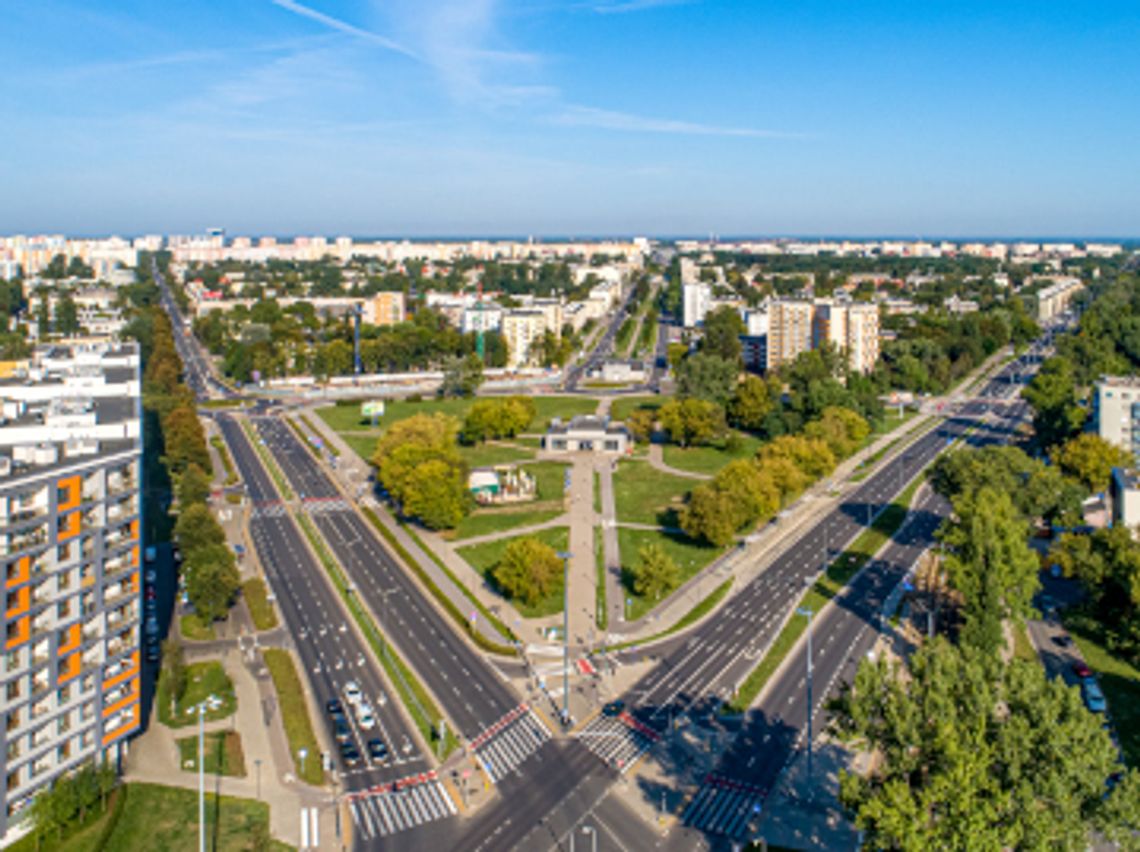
1063, 641
350, 755
377, 751
152, 651
334, 707
613, 708
341, 730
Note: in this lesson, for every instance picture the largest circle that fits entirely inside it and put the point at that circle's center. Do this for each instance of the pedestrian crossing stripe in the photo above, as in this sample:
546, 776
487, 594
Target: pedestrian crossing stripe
617, 741
400, 806
724, 807
324, 505
503, 747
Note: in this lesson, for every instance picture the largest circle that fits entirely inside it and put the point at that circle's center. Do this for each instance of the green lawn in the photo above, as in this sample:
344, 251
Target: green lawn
645, 495
489, 455
550, 479
85, 836
202, 681
1119, 679
689, 556
362, 445
345, 417
257, 601
222, 751
194, 630
621, 408
489, 521
484, 557
294, 714
712, 458
164, 819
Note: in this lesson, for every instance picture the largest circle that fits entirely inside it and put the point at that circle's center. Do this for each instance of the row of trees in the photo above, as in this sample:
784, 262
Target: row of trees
64, 806
419, 464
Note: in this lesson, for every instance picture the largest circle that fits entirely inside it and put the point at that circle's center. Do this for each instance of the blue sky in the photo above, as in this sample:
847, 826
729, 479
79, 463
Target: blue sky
570, 117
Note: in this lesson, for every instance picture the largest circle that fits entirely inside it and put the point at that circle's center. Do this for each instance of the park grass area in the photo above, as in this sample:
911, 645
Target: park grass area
489, 455
421, 708
702, 608
484, 557
838, 574
222, 753
1022, 648
164, 819
227, 463
363, 445
193, 629
256, 596
645, 495
295, 714
602, 616
605, 385
689, 555
86, 835
622, 408
710, 459
597, 492
345, 417
1119, 680
550, 479
486, 522
203, 680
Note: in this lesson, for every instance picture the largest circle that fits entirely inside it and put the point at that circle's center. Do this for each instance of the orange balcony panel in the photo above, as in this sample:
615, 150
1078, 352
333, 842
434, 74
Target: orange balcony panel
126, 674
72, 493
122, 702
135, 529
23, 602
69, 525
23, 572
70, 667
127, 727
135, 557
74, 635
22, 634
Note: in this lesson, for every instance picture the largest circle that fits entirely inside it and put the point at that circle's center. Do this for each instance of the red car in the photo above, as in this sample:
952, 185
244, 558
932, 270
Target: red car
1081, 670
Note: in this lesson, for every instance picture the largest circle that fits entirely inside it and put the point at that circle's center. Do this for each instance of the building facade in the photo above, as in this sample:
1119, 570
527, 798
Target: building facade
790, 331
71, 542
1117, 412
586, 434
385, 308
696, 303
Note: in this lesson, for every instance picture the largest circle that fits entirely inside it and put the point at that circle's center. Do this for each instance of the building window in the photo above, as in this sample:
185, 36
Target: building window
13, 689
13, 780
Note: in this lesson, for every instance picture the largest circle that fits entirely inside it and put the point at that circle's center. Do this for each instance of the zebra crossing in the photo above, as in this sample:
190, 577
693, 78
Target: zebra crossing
618, 740
725, 807
324, 505
400, 806
509, 742
268, 509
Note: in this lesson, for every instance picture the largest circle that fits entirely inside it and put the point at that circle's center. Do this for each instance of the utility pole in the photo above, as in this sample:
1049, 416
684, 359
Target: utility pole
807, 611
202, 778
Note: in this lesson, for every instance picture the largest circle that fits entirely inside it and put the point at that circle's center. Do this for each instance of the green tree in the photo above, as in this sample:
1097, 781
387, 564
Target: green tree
461, 376
196, 528
751, 404
709, 515
1057, 415
1107, 563
723, 327
410, 444
675, 354
655, 574
692, 421
528, 570
193, 486
1089, 459
435, 494
43, 317
174, 669
841, 429
640, 423
990, 563
76, 268
973, 755
212, 580
708, 377
66, 316
184, 440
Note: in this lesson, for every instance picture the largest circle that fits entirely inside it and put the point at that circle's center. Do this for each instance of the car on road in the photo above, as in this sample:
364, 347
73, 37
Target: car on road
352, 692
334, 708
1082, 671
364, 716
1094, 698
377, 750
350, 755
152, 626
1063, 641
341, 732
152, 650
613, 708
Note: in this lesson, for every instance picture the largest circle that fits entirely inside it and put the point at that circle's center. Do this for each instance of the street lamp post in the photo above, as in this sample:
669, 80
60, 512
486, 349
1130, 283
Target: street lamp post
809, 613
202, 778
589, 829
565, 557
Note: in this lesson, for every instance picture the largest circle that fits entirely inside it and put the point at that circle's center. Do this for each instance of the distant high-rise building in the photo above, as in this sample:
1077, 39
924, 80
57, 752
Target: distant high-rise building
385, 308
1117, 412
790, 331
71, 543
852, 328
696, 302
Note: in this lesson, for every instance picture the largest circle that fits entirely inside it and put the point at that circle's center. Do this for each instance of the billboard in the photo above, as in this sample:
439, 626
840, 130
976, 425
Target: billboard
372, 409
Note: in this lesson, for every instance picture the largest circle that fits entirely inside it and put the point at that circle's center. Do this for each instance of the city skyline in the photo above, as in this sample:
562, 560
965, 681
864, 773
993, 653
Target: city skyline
570, 118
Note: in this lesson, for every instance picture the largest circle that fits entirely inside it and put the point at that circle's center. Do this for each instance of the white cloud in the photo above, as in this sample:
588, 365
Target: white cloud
342, 26
584, 116
624, 6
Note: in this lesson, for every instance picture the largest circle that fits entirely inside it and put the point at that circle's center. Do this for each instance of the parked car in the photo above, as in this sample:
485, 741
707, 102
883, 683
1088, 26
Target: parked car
1063, 641
352, 692
1094, 698
350, 755
364, 716
334, 707
152, 625
341, 731
1082, 671
377, 751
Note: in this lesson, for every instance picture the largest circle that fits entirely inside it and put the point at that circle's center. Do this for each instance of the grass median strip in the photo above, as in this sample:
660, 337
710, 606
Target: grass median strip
267, 460
444, 601
257, 601
703, 607
839, 573
425, 715
295, 714
327, 444
227, 463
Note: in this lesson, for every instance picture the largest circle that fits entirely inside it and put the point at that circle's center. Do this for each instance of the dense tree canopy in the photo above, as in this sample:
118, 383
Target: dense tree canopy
418, 462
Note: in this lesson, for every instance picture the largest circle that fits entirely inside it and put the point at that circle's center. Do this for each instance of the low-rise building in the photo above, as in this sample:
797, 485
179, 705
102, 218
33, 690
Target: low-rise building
587, 434
1126, 498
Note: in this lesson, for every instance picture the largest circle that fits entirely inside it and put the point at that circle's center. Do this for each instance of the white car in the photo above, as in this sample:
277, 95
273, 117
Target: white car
364, 716
352, 692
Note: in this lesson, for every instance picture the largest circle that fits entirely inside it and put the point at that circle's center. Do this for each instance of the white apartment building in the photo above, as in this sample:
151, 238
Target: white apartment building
1054, 300
71, 542
520, 329
696, 303
1117, 412
482, 317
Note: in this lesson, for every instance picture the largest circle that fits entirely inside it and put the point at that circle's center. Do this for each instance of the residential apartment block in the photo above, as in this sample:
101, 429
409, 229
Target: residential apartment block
70, 540
520, 329
852, 328
1054, 300
790, 331
1117, 412
385, 308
